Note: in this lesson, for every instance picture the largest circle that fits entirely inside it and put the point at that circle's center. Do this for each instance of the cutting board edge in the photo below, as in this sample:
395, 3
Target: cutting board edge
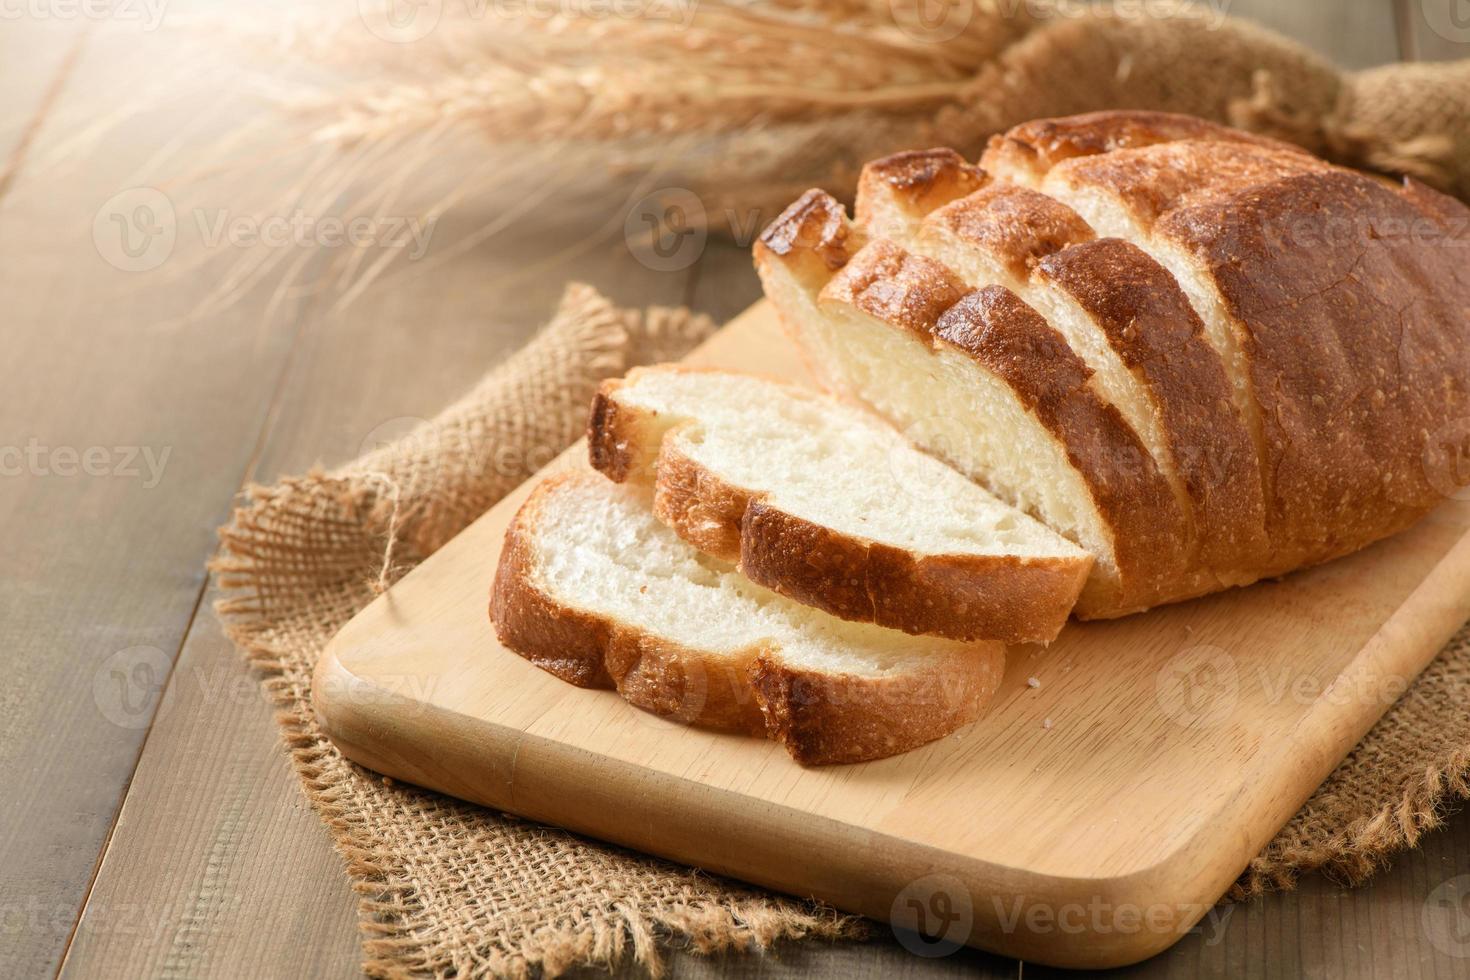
540, 779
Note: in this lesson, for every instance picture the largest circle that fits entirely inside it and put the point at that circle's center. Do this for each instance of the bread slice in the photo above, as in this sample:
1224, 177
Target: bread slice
592, 588
830, 506
1126, 317
999, 395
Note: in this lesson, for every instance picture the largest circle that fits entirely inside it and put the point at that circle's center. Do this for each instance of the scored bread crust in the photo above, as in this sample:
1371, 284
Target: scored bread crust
1025, 238
1026, 152
1001, 333
1356, 355
1004, 336
1016, 225
922, 179
820, 718
1323, 320
814, 235
1007, 598
1344, 358
1149, 323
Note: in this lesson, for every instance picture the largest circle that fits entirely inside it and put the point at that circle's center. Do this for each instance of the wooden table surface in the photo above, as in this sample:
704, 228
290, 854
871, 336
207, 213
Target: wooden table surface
151, 824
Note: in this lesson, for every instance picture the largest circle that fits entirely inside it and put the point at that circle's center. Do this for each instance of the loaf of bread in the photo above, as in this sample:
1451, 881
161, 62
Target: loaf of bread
828, 505
1203, 356
592, 588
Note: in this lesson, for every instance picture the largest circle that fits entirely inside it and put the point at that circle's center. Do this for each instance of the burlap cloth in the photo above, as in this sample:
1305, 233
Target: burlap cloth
449, 888
1067, 58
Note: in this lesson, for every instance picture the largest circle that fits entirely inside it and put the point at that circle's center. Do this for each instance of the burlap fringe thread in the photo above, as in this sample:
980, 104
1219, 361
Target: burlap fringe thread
448, 888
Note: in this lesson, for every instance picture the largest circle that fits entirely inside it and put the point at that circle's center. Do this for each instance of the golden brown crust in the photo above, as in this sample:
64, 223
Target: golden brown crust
682, 683
1355, 341
914, 182
960, 597
812, 237
1153, 180
1351, 327
700, 507
1345, 303
560, 641
609, 448
1001, 333
821, 718
1026, 152
895, 286
1017, 225
1149, 323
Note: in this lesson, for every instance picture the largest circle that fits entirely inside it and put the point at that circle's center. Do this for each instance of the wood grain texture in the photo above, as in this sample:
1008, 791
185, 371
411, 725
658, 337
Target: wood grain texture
217, 841
1179, 742
126, 430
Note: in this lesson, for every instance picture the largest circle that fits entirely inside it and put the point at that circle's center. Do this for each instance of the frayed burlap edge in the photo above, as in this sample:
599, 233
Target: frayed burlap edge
301, 557
1398, 783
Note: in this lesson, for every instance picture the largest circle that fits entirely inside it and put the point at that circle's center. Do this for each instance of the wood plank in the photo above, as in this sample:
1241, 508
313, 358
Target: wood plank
124, 435
1322, 929
1402, 924
259, 883
1130, 800
1353, 33
1434, 30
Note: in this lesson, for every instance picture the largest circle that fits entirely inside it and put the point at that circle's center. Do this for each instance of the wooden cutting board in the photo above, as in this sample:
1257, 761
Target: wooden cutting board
1121, 781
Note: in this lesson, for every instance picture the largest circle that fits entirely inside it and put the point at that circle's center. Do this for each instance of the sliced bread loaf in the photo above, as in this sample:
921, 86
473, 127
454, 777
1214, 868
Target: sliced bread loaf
1336, 300
1128, 320
1284, 338
998, 394
592, 588
828, 505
